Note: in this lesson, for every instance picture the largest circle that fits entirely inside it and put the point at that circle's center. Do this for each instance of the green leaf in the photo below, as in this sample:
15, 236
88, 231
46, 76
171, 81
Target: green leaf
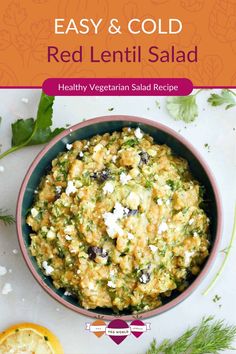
45, 111
226, 97
183, 108
27, 132
21, 130
43, 136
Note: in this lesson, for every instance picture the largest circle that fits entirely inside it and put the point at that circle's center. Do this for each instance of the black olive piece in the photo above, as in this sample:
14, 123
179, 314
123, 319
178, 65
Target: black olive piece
144, 157
144, 276
94, 251
101, 176
132, 212
104, 175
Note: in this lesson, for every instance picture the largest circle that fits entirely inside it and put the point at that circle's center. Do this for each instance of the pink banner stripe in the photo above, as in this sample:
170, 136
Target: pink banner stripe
117, 87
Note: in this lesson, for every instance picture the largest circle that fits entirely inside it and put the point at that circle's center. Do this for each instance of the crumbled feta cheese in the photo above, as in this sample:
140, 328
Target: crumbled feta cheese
159, 201
67, 293
133, 200
15, 251
7, 288
195, 234
114, 158
98, 147
119, 210
124, 178
130, 236
108, 187
111, 219
191, 221
69, 146
91, 286
153, 248
69, 229
138, 133
144, 278
111, 284
168, 202
2, 169
112, 273
81, 154
129, 129
162, 227
3, 271
48, 269
68, 238
51, 235
70, 188
34, 212
187, 257
36, 192
58, 189
25, 100
78, 271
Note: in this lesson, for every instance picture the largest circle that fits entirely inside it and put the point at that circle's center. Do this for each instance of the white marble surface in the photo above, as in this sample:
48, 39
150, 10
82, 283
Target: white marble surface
28, 302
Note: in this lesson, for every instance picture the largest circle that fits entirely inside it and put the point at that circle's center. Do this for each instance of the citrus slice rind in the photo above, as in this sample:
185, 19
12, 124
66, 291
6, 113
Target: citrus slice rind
29, 338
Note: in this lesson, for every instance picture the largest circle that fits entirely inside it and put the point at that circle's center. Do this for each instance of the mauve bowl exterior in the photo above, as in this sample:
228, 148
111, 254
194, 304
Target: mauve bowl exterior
84, 130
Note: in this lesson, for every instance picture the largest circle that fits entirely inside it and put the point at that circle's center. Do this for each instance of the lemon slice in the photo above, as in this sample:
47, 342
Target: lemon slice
29, 338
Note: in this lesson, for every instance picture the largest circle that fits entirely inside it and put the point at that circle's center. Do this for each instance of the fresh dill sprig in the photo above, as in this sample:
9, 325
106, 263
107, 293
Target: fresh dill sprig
6, 218
210, 337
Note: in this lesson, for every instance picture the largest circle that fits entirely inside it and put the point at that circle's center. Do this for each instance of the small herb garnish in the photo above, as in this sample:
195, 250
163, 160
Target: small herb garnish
209, 337
26, 132
7, 219
183, 107
131, 142
226, 97
46, 338
111, 109
216, 298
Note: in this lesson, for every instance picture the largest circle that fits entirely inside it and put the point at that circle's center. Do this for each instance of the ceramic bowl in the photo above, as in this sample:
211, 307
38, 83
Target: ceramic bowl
85, 130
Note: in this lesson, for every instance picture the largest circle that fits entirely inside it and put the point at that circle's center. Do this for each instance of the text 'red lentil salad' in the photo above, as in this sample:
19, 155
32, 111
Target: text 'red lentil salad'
117, 222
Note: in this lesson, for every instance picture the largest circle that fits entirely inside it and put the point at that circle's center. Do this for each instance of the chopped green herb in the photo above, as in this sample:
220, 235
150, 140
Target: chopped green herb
226, 97
111, 109
46, 338
216, 298
131, 142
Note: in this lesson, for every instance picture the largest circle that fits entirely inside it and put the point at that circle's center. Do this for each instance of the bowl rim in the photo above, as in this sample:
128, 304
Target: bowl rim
139, 120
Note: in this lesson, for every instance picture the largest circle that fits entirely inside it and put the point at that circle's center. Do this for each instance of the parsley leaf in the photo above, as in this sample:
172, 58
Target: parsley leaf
183, 108
27, 132
226, 97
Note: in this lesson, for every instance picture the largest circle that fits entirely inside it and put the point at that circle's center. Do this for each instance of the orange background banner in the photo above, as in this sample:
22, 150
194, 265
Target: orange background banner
27, 30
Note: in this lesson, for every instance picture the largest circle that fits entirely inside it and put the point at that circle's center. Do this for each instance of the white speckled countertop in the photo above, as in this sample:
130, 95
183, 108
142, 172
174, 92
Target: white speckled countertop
28, 302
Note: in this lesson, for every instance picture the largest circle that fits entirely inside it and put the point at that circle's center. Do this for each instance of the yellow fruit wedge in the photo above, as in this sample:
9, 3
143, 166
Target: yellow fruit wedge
29, 338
